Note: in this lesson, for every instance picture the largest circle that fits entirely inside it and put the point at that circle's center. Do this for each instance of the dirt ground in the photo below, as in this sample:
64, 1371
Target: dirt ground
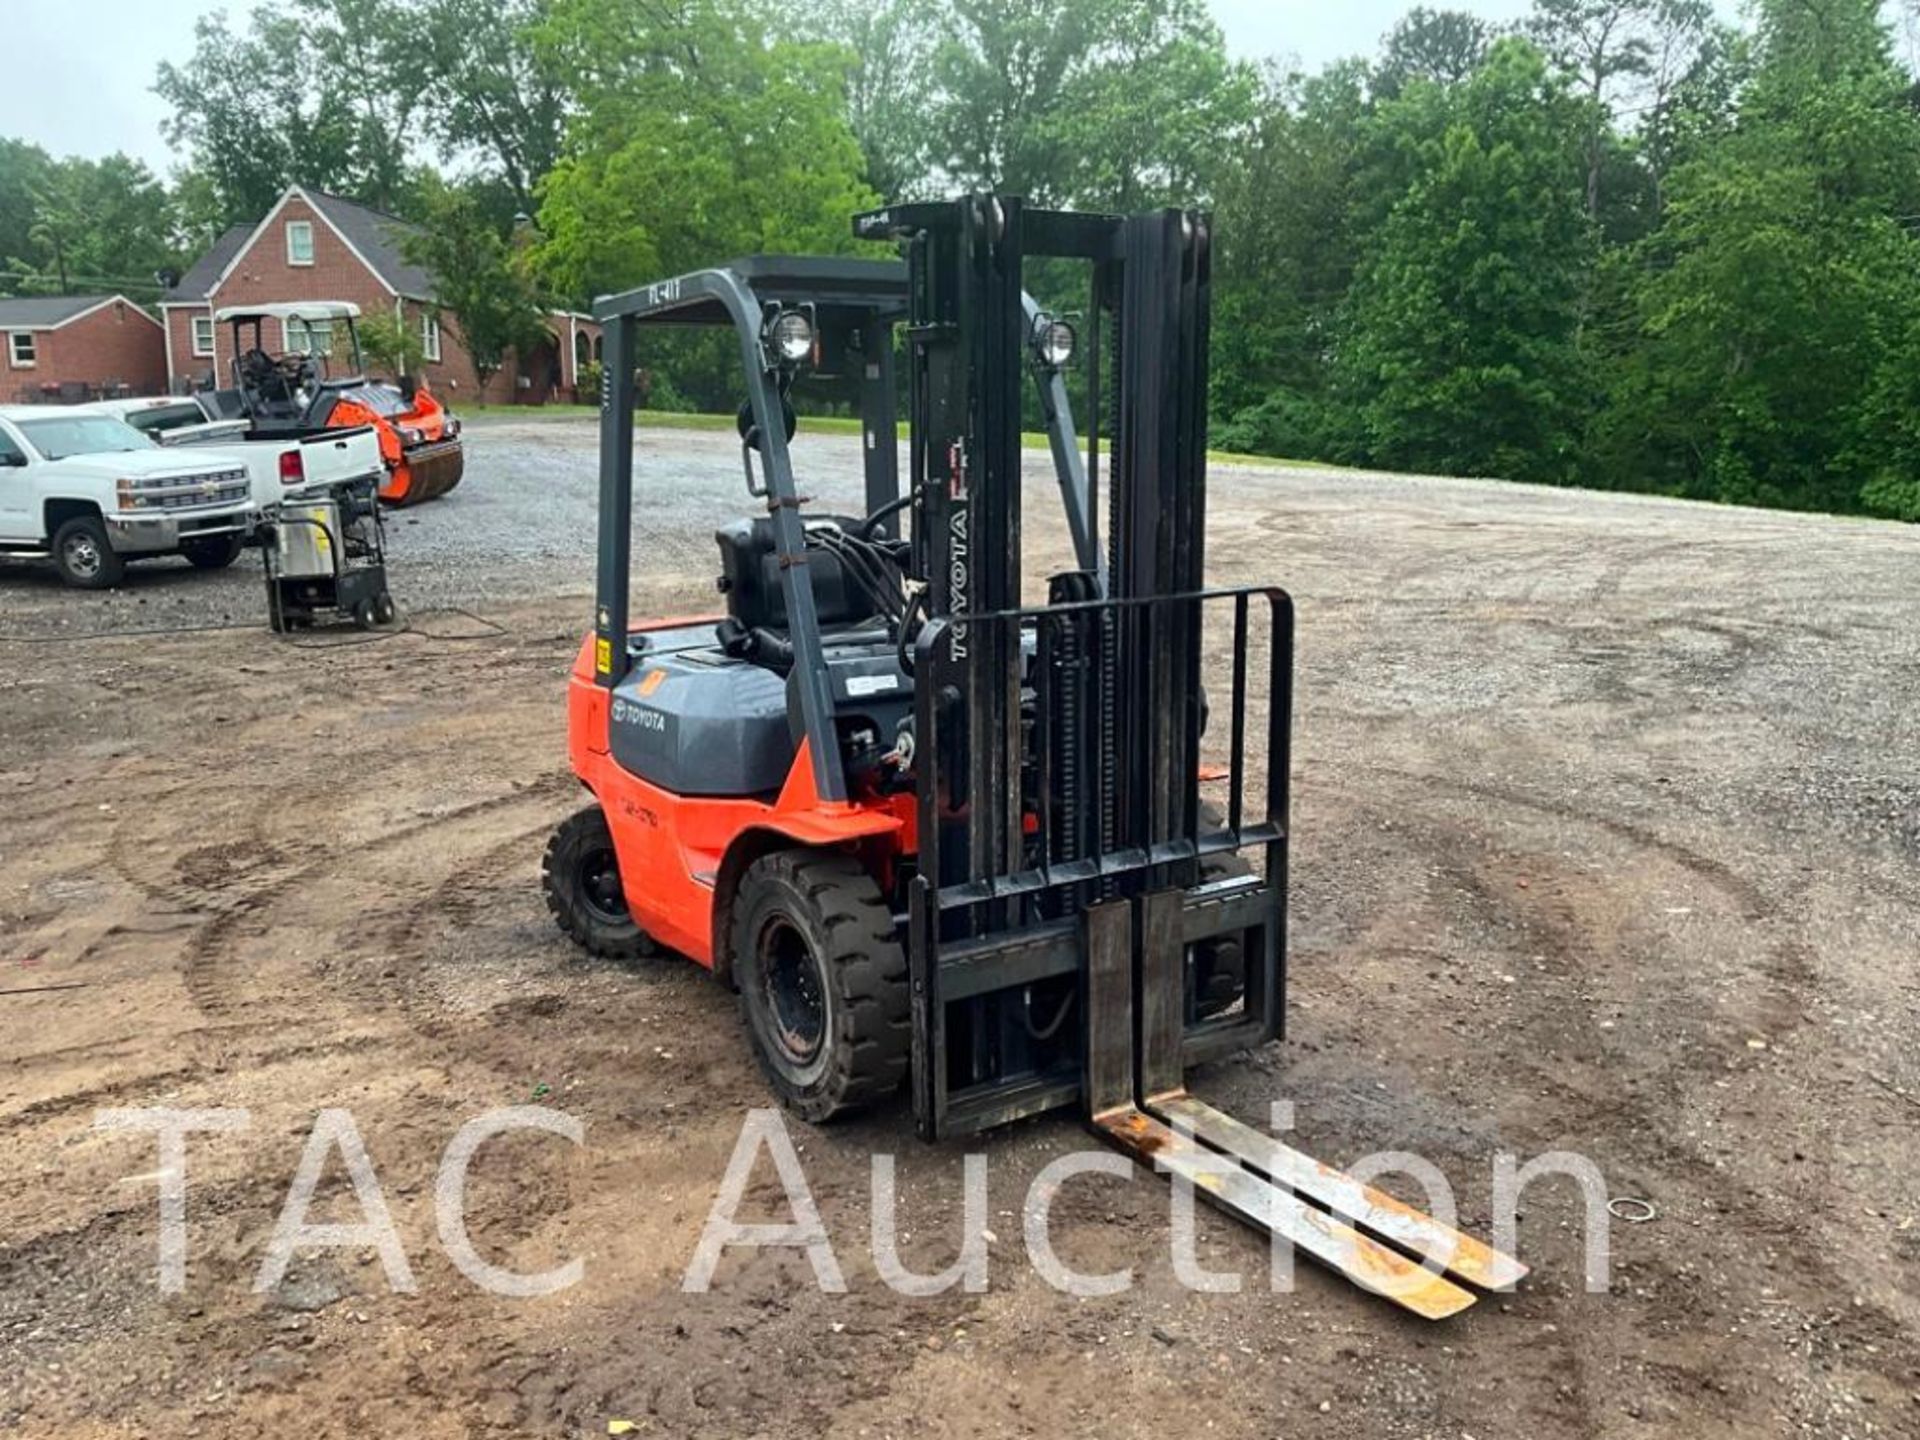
1607, 826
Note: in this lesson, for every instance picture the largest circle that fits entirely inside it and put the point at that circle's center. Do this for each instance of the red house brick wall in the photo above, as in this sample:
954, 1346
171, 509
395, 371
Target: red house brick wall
262, 274
188, 369
454, 377
116, 343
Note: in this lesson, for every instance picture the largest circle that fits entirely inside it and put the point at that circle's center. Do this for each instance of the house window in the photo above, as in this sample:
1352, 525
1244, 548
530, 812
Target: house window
430, 337
21, 350
203, 335
300, 242
309, 337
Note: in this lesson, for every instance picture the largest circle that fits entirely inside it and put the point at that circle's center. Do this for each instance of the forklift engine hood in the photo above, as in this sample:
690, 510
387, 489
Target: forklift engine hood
695, 721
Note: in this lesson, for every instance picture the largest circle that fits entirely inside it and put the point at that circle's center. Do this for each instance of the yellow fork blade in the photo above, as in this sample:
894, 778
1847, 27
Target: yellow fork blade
1242, 1193
1373, 1211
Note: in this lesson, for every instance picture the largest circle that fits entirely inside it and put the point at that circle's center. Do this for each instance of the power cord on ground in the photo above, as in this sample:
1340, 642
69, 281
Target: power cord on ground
64, 639
490, 630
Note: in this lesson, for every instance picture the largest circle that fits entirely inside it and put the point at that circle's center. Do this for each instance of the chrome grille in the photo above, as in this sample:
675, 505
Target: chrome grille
191, 492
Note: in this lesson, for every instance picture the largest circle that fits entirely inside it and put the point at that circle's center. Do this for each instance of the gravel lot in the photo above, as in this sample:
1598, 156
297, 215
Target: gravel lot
1608, 840
520, 527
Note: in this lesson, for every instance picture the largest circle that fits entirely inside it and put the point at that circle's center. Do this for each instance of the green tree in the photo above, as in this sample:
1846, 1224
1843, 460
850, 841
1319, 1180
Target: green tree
482, 279
1459, 347
1096, 103
697, 137
889, 81
394, 345
1600, 44
1444, 46
23, 173
293, 100
87, 225
1286, 246
486, 88
1769, 343
1695, 66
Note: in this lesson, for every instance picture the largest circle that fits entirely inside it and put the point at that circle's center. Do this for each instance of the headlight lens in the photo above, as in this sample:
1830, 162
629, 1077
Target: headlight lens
1053, 342
793, 337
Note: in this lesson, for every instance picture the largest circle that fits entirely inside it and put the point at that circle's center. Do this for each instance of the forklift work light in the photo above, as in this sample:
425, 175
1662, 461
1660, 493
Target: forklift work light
1053, 342
793, 336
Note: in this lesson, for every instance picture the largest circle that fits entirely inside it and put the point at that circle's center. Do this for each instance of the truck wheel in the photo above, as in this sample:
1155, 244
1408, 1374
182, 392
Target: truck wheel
215, 552
581, 876
85, 557
823, 982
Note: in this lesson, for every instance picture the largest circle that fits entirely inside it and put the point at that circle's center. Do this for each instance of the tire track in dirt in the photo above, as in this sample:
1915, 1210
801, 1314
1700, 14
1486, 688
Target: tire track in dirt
1748, 896
404, 935
275, 898
193, 1071
1648, 1128
1644, 1125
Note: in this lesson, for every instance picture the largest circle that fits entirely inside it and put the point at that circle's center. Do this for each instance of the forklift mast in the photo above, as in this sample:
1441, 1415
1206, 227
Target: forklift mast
1063, 846
1058, 743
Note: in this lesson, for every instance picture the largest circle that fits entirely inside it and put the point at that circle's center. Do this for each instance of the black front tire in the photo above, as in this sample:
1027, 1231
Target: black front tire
84, 555
215, 552
823, 982
1219, 964
581, 877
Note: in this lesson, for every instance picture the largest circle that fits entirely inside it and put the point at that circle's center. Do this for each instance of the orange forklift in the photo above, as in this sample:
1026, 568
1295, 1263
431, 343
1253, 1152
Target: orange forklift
292, 391
937, 836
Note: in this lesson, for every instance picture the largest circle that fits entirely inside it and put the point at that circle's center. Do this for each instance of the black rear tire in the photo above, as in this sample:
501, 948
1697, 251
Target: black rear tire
581, 877
823, 982
215, 552
84, 555
1219, 964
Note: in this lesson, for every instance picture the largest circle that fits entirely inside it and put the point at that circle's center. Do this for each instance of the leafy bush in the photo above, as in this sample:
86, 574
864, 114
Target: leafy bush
391, 345
587, 384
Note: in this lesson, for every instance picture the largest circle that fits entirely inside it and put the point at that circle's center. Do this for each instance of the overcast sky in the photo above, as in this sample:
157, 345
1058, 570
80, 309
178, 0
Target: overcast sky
82, 74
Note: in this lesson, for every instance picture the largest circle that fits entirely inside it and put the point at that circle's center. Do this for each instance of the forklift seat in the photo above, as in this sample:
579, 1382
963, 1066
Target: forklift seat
750, 579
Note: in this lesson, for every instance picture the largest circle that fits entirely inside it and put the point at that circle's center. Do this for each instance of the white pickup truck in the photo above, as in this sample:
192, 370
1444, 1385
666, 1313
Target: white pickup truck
91, 492
277, 468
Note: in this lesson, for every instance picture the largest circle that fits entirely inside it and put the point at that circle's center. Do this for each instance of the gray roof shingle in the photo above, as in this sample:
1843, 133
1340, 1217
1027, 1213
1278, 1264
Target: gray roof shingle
36, 312
379, 237
200, 276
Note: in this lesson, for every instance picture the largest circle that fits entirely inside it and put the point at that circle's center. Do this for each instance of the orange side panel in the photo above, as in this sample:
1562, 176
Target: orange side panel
671, 847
